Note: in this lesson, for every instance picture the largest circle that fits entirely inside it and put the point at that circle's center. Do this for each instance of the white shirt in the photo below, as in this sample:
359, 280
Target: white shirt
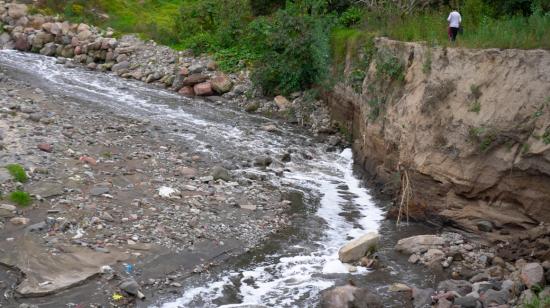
454, 19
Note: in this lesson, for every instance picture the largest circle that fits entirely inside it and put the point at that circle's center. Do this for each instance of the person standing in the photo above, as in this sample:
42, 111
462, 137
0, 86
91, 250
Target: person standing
454, 20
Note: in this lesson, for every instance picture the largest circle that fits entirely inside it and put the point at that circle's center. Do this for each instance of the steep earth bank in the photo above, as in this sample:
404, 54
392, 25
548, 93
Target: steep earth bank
470, 129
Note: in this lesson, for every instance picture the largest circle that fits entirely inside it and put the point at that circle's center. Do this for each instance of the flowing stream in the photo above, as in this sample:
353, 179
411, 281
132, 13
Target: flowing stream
337, 204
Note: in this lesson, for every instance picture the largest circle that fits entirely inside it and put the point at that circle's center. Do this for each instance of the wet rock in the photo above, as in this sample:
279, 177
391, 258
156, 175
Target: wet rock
358, 248
20, 221
220, 173
532, 274
461, 287
422, 298
348, 297
399, 287
38, 227
131, 287
263, 161
419, 243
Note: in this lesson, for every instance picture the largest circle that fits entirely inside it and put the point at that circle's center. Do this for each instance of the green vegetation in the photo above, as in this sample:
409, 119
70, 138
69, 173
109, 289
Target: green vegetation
289, 44
20, 198
475, 107
546, 137
389, 66
427, 65
17, 172
376, 107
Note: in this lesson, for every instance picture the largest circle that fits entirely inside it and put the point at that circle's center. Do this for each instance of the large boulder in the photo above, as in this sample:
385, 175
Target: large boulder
22, 44
187, 91
419, 243
194, 79
203, 89
49, 50
349, 296
221, 84
356, 249
16, 11
532, 274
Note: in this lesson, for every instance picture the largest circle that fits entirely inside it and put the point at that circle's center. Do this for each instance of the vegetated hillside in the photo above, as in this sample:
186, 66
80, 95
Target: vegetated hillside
288, 43
463, 133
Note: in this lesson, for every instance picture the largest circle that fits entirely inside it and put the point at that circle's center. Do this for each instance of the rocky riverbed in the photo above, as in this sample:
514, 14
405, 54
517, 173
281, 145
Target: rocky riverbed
109, 188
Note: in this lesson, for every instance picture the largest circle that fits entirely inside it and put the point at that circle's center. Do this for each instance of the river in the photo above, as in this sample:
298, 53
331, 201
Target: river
336, 204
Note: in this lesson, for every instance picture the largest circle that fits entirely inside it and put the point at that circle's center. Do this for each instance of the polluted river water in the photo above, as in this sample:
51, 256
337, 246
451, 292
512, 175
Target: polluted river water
336, 204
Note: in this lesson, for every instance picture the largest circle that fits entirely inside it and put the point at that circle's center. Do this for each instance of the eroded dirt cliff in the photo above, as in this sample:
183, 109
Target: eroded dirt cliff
471, 129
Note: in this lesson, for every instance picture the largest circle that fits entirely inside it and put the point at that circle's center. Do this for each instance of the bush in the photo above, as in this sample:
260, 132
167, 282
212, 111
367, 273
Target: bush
351, 16
294, 49
17, 172
265, 7
389, 66
20, 198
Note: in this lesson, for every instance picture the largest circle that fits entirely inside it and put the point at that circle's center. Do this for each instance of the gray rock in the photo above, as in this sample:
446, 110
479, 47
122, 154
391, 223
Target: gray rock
99, 190
197, 68
46, 189
422, 298
38, 227
466, 302
419, 243
356, 249
220, 173
484, 226
263, 161
124, 65
349, 296
494, 297
131, 287
462, 287
532, 274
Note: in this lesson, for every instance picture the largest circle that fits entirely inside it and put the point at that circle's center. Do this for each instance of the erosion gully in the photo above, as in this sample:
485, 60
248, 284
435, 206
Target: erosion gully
333, 203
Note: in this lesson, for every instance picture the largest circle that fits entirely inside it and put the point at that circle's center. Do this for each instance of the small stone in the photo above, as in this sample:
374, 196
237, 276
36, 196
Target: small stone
250, 207
399, 287
99, 190
220, 173
20, 220
48, 148
484, 226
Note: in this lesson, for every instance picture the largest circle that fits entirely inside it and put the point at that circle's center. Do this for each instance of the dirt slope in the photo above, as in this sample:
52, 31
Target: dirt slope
471, 128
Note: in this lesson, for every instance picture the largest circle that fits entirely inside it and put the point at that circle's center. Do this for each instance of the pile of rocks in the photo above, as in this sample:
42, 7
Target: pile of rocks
130, 57
481, 278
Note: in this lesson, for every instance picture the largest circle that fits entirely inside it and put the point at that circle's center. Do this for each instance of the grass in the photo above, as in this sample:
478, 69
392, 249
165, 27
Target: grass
17, 172
20, 198
431, 26
475, 107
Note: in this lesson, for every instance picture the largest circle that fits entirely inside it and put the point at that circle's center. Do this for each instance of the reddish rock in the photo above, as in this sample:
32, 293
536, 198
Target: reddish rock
194, 79
203, 89
187, 91
88, 160
184, 71
22, 44
45, 147
221, 84
532, 274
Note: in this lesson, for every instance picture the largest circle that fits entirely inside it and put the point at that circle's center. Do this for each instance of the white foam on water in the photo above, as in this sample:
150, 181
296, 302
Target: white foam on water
283, 280
290, 279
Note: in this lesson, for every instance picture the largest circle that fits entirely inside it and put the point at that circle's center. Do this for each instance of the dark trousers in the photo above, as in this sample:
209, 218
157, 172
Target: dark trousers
454, 33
